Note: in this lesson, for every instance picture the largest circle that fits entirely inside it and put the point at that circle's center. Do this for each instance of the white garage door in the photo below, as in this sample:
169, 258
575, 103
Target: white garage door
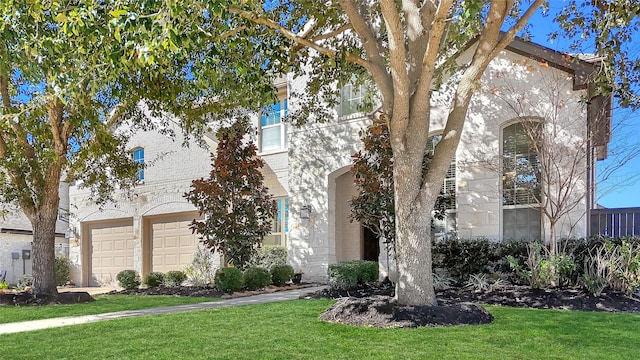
173, 244
112, 251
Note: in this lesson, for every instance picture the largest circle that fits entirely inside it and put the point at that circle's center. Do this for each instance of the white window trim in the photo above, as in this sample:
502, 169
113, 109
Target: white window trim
283, 130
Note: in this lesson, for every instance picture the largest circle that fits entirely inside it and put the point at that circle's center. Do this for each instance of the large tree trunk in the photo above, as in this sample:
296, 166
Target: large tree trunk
43, 256
43, 220
413, 235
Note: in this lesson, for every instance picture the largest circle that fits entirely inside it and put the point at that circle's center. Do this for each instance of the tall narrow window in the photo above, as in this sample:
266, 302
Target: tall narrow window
351, 99
138, 157
443, 227
273, 135
280, 225
520, 184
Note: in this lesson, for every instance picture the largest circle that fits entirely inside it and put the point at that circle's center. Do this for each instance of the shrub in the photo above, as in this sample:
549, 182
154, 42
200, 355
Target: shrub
541, 268
441, 282
268, 256
152, 279
463, 258
24, 282
201, 270
343, 275
63, 270
367, 270
128, 279
174, 278
4, 285
350, 273
255, 278
228, 279
281, 274
626, 266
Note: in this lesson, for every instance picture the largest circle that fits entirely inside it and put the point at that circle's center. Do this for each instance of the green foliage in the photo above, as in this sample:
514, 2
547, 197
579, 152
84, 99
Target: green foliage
610, 26
463, 258
238, 207
268, 256
542, 268
174, 278
348, 274
201, 271
478, 282
342, 275
281, 274
154, 278
128, 279
625, 265
255, 278
24, 282
4, 285
63, 270
228, 279
442, 282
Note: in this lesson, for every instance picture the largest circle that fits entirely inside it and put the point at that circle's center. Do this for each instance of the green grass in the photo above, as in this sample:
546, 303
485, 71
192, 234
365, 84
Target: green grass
291, 330
103, 304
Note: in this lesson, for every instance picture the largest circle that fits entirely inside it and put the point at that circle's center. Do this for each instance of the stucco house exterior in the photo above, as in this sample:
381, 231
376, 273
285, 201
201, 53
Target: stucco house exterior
308, 171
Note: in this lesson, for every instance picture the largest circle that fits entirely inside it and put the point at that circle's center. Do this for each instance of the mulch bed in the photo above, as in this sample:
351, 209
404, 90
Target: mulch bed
373, 305
22, 298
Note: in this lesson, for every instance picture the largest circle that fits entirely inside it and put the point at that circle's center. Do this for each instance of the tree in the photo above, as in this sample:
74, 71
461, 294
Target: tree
544, 161
410, 50
237, 205
76, 79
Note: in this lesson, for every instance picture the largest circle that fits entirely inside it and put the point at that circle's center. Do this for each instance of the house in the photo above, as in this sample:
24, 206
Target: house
497, 194
16, 236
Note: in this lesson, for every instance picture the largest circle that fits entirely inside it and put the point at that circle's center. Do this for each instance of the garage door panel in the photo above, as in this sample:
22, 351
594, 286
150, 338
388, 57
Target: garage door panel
173, 243
111, 251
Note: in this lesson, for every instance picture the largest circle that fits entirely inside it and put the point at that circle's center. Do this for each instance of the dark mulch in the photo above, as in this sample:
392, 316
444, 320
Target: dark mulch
382, 311
373, 305
27, 298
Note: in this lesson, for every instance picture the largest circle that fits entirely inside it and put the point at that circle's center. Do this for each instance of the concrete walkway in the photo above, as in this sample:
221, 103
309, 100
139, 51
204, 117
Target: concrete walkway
84, 319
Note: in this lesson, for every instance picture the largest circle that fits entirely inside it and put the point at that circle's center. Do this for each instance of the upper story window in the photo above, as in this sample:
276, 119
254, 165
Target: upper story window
351, 99
138, 157
520, 184
273, 132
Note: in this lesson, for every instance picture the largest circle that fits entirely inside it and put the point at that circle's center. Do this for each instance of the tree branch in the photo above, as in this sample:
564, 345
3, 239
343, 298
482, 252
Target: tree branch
372, 48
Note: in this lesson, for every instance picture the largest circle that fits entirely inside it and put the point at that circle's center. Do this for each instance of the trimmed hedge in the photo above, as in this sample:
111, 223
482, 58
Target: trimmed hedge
255, 278
128, 279
63, 270
228, 279
152, 279
281, 274
174, 278
348, 274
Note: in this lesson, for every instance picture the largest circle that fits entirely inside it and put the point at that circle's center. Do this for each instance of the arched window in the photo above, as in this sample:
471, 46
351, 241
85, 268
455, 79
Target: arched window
441, 228
520, 182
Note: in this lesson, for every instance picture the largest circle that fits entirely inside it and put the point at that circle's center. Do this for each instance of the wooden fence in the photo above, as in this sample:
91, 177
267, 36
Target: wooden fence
615, 222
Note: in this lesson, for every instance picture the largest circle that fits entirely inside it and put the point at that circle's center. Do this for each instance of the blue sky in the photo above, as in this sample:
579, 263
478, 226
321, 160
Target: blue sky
623, 188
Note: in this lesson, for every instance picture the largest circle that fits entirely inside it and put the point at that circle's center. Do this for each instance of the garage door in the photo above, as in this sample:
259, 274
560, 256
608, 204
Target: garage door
173, 244
112, 251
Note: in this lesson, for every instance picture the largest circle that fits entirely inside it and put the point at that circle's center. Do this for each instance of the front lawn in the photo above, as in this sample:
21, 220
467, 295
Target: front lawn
103, 304
291, 330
